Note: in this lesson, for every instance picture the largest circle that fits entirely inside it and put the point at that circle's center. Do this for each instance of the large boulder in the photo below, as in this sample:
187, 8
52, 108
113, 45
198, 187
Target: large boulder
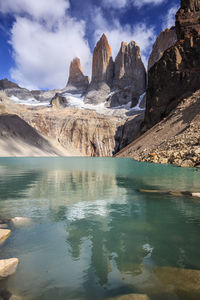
8, 267
6, 84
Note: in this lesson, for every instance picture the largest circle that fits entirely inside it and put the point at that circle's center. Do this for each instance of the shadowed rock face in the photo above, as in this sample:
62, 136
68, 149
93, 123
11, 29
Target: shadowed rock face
6, 84
176, 74
166, 39
129, 68
187, 18
76, 77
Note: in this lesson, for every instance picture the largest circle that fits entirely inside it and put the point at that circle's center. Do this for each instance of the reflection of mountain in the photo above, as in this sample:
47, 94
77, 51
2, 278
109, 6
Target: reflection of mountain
102, 224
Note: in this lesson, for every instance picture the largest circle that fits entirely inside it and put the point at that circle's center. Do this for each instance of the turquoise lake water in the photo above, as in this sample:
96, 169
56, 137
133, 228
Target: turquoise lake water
94, 235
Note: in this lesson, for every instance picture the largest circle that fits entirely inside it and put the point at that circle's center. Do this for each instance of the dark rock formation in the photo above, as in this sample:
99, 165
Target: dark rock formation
77, 79
129, 76
102, 72
177, 73
188, 19
166, 39
58, 101
6, 84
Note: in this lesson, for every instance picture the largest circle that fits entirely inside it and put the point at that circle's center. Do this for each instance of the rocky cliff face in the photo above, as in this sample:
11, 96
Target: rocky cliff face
166, 39
102, 64
125, 78
6, 84
129, 75
102, 72
77, 81
187, 19
176, 74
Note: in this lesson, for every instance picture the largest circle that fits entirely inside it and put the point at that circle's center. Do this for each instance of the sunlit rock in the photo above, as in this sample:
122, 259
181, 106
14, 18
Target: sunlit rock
20, 222
4, 234
8, 267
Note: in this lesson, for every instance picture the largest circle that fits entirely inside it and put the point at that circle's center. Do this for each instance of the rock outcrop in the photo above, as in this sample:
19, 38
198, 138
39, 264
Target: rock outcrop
129, 76
176, 74
187, 19
6, 84
102, 72
77, 81
166, 39
58, 101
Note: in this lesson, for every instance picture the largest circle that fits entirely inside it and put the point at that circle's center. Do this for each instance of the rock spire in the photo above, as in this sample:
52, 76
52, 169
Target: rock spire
76, 77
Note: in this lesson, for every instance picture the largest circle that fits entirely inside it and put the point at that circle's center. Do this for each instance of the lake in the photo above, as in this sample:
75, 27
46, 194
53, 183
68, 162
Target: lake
96, 230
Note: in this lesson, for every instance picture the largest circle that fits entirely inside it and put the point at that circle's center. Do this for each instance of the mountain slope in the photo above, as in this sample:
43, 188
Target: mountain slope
174, 140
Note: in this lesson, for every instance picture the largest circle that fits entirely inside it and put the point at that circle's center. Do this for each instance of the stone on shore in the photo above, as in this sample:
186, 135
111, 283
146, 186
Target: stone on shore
196, 195
8, 267
4, 234
131, 297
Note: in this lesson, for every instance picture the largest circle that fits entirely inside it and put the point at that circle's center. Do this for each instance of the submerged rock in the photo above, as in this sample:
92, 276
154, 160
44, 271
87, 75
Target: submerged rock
19, 221
7, 295
4, 234
131, 297
8, 267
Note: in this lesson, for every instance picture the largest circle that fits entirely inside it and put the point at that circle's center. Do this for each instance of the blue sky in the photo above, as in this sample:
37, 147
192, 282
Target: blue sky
39, 38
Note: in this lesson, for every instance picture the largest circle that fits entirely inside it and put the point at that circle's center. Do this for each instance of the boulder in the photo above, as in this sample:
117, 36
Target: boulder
20, 222
8, 267
58, 101
4, 234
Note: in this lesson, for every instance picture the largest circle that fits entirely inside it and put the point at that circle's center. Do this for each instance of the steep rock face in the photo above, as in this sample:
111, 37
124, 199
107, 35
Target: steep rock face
176, 74
102, 64
166, 39
187, 19
76, 77
89, 133
102, 72
129, 76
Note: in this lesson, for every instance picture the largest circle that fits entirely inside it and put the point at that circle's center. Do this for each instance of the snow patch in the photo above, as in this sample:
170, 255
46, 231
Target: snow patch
30, 101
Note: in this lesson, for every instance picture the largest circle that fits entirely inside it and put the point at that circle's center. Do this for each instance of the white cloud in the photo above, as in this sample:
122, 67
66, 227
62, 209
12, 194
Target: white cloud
144, 36
118, 4
44, 42
169, 19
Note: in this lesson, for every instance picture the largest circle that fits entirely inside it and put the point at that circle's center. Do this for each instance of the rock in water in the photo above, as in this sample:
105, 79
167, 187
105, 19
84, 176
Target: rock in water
77, 81
19, 221
102, 72
129, 77
4, 234
8, 267
176, 74
166, 39
131, 297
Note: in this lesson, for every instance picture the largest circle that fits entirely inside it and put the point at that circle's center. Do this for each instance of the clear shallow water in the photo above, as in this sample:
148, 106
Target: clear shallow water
93, 234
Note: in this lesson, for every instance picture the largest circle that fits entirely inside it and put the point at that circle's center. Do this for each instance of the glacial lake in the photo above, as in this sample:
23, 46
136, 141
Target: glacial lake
97, 232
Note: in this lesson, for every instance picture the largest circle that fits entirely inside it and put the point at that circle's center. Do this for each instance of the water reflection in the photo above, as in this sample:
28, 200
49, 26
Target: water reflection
94, 235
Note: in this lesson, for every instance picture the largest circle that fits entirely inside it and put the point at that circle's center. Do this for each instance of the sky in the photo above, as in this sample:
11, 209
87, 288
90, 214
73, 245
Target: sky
39, 38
